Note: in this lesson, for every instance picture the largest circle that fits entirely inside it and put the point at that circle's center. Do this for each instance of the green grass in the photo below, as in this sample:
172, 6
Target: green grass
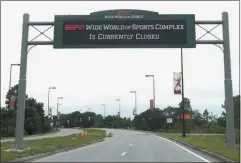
213, 144
51, 144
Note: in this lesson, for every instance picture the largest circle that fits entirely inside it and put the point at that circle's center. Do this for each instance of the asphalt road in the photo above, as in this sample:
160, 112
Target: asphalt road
62, 132
130, 146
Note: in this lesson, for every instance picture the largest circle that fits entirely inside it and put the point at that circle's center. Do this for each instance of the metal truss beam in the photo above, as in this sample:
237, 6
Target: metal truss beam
209, 42
41, 23
209, 22
40, 42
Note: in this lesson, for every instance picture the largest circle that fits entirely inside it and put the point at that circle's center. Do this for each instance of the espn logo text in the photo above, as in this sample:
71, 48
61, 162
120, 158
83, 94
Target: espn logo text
74, 27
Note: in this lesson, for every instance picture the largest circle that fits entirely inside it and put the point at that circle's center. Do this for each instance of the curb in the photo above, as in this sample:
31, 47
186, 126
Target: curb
215, 155
30, 158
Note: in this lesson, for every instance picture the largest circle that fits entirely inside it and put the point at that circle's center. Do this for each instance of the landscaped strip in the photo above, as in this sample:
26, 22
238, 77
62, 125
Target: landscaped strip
210, 143
51, 144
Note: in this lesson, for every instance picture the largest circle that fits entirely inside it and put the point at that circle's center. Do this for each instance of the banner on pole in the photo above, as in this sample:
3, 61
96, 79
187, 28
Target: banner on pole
177, 81
118, 114
12, 102
58, 115
151, 105
134, 111
50, 112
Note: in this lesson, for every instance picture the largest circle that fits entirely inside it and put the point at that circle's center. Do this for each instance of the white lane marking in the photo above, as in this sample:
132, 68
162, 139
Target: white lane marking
123, 153
131, 145
185, 149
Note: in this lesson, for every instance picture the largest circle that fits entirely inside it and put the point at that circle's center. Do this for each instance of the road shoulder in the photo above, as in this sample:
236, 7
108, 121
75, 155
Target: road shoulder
211, 156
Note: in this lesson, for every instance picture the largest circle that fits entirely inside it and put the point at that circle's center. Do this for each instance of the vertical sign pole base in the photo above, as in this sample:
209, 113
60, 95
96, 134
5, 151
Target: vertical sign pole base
230, 131
19, 130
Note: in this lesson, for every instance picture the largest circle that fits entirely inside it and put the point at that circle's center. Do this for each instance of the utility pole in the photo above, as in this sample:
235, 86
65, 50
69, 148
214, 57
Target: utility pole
57, 118
119, 107
104, 110
135, 110
48, 100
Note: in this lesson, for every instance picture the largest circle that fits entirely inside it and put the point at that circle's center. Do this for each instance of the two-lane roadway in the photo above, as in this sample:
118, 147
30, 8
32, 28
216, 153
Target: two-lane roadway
130, 146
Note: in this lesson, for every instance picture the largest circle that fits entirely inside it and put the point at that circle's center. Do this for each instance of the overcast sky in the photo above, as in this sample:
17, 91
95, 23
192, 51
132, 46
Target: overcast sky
87, 78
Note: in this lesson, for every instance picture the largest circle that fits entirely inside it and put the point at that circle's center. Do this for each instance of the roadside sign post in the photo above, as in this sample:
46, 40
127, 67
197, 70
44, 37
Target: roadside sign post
169, 121
75, 31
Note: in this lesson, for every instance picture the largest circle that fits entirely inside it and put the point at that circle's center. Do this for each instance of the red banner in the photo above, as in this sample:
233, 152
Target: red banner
151, 105
186, 116
118, 115
12, 102
177, 80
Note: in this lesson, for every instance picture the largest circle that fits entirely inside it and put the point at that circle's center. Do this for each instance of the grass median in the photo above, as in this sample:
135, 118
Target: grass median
51, 144
212, 143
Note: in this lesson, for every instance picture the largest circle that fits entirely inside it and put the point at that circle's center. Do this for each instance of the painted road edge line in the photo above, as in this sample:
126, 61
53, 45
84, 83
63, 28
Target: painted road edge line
184, 149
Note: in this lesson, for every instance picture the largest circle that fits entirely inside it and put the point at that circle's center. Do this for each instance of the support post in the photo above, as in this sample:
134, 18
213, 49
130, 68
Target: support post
19, 131
230, 131
183, 106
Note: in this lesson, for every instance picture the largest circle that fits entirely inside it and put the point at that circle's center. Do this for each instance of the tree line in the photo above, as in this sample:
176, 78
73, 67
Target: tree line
37, 122
205, 122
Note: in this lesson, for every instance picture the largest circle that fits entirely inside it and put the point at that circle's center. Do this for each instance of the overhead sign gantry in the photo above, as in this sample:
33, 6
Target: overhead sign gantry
125, 29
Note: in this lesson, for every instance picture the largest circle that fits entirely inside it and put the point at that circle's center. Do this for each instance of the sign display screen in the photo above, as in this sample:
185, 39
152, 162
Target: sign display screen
128, 32
124, 29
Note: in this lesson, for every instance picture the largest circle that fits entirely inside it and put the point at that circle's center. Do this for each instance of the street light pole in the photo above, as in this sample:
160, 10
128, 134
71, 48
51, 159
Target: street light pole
135, 101
58, 109
104, 110
11, 74
154, 96
119, 105
48, 98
